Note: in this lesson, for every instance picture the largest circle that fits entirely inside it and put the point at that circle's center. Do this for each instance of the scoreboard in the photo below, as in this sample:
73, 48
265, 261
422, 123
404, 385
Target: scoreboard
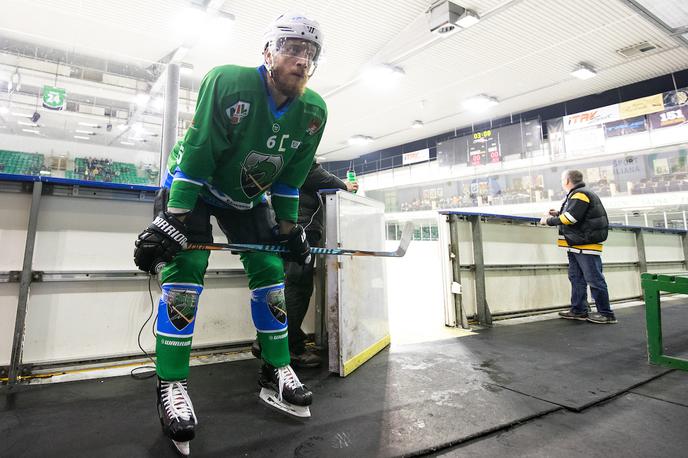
483, 148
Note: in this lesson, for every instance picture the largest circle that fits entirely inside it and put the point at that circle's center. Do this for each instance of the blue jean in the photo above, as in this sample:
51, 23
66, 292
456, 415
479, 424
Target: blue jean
584, 270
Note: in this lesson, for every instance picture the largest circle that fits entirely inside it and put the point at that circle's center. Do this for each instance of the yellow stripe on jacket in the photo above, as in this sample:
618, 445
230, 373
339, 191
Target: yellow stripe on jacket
581, 196
562, 243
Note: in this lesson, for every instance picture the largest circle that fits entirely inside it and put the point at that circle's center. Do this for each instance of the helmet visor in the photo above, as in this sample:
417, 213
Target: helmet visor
298, 48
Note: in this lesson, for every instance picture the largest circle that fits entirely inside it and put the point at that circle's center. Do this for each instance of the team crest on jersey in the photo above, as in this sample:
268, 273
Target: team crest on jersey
313, 126
238, 111
258, 171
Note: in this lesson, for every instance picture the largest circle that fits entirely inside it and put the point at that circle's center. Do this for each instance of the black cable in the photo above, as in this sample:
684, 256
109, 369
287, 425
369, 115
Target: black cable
133, 372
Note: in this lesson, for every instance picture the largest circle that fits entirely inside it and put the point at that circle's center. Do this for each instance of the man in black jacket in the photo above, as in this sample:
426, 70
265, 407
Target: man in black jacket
583, 226
298, 284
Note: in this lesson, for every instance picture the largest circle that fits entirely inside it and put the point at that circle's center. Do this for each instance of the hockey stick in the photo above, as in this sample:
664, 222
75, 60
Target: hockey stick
406, 236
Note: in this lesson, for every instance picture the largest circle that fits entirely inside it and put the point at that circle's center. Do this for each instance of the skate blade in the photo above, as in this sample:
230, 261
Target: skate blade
270, 398
182, 447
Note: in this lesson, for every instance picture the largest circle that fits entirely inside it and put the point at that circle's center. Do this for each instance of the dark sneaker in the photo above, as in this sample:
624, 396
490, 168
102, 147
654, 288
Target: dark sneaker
255, 349
570, 315
602, 319
307, 359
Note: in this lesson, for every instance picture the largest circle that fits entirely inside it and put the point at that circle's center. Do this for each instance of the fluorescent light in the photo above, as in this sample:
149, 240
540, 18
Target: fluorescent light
31, 131
480, 103
24, 123
4, 110
383, 75
128, 143
359, 140
467, 19
79, 131
417, 124
141, 99
23, 115
88, 124
157, 103
584, 72
81, 137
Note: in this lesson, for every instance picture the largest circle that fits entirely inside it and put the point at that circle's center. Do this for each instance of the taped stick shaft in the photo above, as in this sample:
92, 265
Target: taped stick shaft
253, 247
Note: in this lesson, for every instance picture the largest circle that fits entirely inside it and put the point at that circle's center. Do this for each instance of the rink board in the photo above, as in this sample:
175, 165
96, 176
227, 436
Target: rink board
357, 316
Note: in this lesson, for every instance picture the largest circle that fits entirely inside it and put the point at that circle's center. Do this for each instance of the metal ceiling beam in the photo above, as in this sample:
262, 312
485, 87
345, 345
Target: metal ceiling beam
647, 14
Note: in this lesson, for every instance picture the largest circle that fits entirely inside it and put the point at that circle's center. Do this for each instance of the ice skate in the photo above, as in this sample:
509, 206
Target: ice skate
282, 390
176, 413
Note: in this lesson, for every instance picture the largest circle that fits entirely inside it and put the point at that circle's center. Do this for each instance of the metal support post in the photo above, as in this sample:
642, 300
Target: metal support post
640, 246
684, 239
455, 259
484, 315
24, 285
169, 131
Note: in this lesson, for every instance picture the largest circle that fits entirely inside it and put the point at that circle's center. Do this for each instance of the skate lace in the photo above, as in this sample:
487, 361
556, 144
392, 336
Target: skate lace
288, 378
177, 402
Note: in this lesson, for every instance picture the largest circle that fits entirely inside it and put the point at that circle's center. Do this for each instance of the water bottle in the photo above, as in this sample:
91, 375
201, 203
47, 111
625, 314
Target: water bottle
351, 177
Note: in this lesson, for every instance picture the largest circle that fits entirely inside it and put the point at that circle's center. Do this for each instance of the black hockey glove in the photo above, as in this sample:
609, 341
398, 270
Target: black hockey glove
296, 243
159, 242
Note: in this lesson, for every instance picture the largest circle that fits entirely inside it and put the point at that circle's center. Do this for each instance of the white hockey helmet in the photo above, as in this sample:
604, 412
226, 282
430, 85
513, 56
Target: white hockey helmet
294, 25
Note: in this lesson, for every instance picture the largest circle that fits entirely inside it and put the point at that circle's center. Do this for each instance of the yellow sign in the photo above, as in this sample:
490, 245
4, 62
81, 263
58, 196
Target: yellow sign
641, 106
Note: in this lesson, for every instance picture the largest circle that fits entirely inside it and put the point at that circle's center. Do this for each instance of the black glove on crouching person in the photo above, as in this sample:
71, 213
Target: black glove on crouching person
159, 242
297, 244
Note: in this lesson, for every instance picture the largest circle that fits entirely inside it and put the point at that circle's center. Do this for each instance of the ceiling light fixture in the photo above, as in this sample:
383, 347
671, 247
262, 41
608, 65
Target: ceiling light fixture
584, 72
21, 115
4, 110
89, 124
467, 19
446, 18
89, 132
383, 75
81, 137
128, 143
24, 123
480, 103
357, 140
31, 131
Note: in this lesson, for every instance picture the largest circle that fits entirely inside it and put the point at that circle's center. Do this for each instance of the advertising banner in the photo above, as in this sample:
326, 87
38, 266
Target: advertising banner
673, 117
591, 117
625, 127
641, 106
416, 156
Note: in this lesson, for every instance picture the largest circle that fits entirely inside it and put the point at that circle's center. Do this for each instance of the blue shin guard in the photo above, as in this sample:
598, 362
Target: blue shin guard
174, 331
270, 318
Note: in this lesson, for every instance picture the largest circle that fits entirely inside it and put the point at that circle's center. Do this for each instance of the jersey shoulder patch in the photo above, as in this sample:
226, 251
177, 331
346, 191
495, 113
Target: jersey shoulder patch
315, 111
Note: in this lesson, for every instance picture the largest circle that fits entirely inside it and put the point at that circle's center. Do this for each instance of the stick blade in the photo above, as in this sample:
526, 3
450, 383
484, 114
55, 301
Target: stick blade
406, 236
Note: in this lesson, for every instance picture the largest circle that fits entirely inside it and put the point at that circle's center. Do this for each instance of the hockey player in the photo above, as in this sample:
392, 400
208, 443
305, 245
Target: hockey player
254, 130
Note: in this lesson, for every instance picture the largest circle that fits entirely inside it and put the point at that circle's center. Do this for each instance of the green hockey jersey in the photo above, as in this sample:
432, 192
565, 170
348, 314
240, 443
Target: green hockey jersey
240, 145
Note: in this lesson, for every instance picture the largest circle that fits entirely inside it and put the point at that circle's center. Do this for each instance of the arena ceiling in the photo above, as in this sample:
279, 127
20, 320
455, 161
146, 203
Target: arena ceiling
521, 52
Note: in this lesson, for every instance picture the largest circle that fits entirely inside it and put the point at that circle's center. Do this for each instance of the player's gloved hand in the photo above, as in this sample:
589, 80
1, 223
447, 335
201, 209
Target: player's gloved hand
159, 242
296, 243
